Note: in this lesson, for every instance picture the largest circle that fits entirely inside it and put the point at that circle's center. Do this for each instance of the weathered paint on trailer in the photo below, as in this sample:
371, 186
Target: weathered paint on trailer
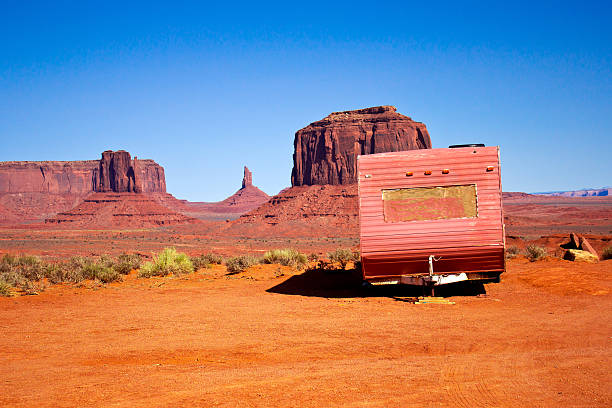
431, 215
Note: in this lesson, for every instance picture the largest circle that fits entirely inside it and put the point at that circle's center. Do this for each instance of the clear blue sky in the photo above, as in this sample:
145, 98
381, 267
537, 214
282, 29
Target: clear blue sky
204, 89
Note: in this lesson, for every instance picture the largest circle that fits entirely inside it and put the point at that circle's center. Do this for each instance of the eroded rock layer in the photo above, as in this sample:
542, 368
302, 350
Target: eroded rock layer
326, 151
119, 210
303, 211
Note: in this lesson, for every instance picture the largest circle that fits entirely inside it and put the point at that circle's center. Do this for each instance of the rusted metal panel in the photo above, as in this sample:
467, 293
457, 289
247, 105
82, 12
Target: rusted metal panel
440, 202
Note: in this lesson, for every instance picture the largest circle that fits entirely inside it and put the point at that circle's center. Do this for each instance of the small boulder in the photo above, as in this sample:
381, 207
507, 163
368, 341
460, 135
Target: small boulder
577, 255
585, 246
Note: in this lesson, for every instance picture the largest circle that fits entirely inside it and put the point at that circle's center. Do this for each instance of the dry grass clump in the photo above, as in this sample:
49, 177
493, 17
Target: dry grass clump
313, 257
127, 262
240, 263
286, 257
5, 288
167, 262
206, 261
343, 256
535, 253
29, 273
512, 252
607, 253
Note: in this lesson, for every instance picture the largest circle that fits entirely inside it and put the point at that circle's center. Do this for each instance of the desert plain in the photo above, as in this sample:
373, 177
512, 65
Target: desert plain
277, 336
274, 335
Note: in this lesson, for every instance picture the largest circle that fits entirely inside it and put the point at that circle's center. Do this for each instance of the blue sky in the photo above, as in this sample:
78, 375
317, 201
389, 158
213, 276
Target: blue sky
205, 89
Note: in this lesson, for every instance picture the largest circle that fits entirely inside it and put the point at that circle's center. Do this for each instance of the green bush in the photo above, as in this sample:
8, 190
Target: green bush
343, 256
535, 252
80, 268
127, 262
286, 257
239, 264
607, 253
167, 262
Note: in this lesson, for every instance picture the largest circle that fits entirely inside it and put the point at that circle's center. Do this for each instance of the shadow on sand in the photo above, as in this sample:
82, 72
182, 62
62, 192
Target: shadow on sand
349, 284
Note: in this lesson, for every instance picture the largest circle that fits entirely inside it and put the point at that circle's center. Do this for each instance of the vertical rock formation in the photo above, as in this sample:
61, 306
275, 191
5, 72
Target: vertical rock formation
115, 173
247, 180
326, 151
118, 173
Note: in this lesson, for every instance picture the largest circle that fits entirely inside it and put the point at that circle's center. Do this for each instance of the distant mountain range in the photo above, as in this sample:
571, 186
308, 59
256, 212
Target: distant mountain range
587, 192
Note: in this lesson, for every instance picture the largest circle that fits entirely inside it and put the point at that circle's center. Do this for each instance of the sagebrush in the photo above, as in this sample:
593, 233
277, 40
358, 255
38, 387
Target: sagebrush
206, 261
535, 253
512, 252
343, 256
26, 272
607, 253
240, 263
286, 257
167, 262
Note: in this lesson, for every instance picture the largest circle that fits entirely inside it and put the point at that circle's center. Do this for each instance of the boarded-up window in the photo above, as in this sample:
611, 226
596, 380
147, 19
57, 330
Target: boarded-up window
429, 203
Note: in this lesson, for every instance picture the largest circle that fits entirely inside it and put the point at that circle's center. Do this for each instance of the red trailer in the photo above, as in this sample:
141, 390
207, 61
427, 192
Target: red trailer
431, 216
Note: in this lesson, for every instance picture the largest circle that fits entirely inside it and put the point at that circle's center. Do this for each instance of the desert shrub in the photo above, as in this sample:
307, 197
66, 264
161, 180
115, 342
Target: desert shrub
107, 275
206, 261
200, 262
167, 262
313, 257
5, 288
343, 256
33, 287
127, 262
607, 253
512, 251
240, 263
214, 259
286, 257
535, 252
17, 270
57, 273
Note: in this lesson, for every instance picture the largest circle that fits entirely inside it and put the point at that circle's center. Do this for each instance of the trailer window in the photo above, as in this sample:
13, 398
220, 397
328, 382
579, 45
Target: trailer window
429, 203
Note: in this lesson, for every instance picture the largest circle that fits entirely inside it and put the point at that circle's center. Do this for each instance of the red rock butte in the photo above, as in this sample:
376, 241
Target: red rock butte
35, 190
323, 199
326, 151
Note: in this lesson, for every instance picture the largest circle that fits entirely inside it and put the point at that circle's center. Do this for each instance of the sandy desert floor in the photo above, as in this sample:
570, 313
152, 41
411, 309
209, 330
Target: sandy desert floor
276, 337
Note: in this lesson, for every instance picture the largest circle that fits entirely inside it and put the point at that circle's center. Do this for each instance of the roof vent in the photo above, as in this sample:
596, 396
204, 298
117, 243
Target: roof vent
466, 145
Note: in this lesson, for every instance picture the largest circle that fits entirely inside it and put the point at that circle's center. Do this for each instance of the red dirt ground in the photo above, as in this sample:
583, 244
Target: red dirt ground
542, 337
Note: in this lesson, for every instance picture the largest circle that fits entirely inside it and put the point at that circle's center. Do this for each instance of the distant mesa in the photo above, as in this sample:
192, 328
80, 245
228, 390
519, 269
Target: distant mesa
35, 190
115, 171
325, 152
587, 192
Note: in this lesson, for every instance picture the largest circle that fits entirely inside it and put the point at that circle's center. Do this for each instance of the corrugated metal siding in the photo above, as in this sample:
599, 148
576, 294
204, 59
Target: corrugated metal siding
403, 248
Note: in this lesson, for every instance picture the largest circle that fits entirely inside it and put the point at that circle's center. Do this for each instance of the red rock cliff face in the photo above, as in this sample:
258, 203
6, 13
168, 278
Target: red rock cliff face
326, 151
54, 177
115, 172
118, 173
